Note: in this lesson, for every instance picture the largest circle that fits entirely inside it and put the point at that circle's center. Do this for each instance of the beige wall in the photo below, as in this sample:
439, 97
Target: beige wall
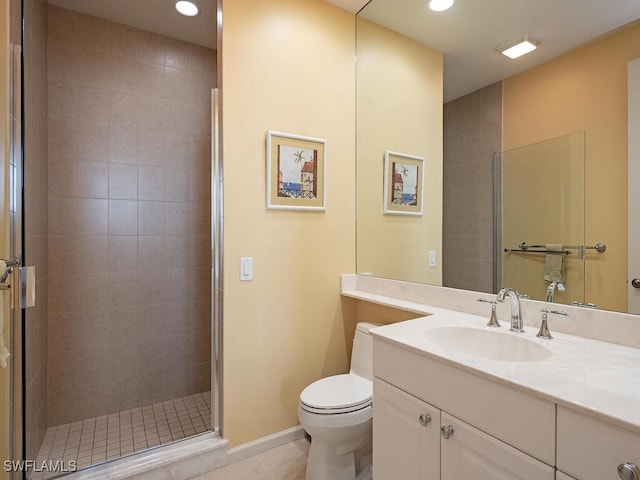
399, 108
129, 216
585, 90
4, 210
371, 312
287, 65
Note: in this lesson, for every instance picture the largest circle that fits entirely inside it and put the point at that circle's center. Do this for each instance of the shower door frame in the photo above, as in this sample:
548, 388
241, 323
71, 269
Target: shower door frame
16, 242
16, 318
217, 193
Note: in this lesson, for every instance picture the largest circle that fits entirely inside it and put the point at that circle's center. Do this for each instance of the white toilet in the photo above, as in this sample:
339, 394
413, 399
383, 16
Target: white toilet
336, 413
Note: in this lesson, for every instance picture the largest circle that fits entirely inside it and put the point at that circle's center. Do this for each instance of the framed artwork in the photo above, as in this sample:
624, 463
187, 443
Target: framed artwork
403, 184
296, 168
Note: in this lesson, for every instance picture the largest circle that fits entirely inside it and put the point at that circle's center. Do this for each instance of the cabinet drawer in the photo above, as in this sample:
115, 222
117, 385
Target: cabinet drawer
523, 421
470, 453
590, 449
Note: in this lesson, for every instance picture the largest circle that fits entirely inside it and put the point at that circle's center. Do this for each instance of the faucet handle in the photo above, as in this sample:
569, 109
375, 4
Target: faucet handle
493, 321
544, 328
485, 300
576, 303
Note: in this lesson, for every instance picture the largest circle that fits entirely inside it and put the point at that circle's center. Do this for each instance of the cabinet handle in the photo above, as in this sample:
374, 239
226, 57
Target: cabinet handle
425, 419
447, 431
628, 471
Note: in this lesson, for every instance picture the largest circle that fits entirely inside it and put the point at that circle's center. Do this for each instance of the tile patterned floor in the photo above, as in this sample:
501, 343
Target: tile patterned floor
98, 439
287, 462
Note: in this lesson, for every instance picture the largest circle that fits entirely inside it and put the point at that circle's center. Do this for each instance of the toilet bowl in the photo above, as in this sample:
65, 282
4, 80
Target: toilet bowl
336, 413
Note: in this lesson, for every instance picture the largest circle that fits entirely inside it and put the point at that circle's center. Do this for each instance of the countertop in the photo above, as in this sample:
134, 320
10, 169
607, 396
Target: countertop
596, 378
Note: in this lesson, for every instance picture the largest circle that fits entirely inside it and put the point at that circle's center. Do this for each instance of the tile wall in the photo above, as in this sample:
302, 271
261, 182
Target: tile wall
129, 216
35, 218
472, 133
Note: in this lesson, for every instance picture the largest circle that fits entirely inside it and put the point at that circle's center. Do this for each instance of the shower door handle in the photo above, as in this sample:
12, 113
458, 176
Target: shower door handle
27, 287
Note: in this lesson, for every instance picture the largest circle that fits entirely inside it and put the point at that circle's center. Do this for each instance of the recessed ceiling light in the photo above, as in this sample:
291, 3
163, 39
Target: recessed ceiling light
518, 47
440, 5
188, 9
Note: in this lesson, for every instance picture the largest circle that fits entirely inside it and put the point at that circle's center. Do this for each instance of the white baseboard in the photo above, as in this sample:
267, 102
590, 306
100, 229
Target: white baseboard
263, 444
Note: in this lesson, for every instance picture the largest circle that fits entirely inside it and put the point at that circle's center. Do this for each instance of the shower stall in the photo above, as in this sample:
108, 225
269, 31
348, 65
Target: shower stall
117, 192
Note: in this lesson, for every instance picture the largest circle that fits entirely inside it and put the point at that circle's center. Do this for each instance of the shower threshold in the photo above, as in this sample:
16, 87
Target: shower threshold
108, 437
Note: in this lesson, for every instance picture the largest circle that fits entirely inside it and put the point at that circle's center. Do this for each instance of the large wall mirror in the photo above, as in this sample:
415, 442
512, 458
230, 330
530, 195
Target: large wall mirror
432, 85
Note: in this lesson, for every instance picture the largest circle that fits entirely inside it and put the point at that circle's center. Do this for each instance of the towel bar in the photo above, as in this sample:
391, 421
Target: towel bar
524, 248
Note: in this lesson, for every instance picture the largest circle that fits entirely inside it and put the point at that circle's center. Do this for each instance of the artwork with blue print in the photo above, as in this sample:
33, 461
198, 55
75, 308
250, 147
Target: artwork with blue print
297, 172
404, 184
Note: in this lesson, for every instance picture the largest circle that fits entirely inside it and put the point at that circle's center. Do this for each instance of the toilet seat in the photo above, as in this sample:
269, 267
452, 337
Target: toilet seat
337, 394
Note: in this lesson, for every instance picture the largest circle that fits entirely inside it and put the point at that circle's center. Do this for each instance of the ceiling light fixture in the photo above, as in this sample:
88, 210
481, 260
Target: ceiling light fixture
440, 5
518, 47
188, 9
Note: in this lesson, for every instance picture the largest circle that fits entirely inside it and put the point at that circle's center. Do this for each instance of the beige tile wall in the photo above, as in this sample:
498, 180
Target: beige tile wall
129, 216
472, 133
35, 219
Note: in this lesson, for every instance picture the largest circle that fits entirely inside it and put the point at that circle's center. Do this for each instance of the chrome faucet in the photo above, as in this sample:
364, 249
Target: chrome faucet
552, 288
516, 315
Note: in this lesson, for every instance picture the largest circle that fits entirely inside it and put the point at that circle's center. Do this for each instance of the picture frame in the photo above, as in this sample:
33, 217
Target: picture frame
403, 184
296, 172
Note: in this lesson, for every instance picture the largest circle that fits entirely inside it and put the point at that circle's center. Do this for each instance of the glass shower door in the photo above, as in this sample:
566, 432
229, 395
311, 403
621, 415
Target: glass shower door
543, 204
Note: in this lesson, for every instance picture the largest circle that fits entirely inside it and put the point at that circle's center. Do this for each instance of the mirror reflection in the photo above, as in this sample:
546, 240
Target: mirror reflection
543, 198
393, 114
581, 92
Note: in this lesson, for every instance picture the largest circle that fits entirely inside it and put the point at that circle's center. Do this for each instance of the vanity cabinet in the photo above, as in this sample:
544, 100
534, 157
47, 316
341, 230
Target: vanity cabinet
470, 453
590, 449
406, 435
523, 421
413, 439
563, 476
496, 432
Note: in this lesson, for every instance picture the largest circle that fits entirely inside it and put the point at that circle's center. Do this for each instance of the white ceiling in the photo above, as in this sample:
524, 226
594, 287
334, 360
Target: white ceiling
467, 34
470, 31
159, 16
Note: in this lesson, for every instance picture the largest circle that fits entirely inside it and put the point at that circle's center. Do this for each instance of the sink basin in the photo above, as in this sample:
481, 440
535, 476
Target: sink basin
489, 344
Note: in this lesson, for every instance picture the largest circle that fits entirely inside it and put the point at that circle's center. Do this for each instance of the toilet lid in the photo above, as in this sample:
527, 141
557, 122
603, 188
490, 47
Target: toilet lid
338, 392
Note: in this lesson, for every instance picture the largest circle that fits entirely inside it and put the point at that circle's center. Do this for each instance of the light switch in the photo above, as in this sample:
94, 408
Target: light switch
246, 269
432, 258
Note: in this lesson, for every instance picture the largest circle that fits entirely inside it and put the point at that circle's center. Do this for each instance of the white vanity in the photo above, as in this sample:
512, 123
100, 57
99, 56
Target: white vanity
454, 399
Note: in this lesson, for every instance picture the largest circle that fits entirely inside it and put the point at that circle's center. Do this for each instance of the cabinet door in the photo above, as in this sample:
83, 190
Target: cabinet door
563, 476
590, 449
470, 453
406, 436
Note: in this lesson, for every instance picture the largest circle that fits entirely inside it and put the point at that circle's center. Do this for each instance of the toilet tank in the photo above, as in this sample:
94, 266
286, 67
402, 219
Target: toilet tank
362, 353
